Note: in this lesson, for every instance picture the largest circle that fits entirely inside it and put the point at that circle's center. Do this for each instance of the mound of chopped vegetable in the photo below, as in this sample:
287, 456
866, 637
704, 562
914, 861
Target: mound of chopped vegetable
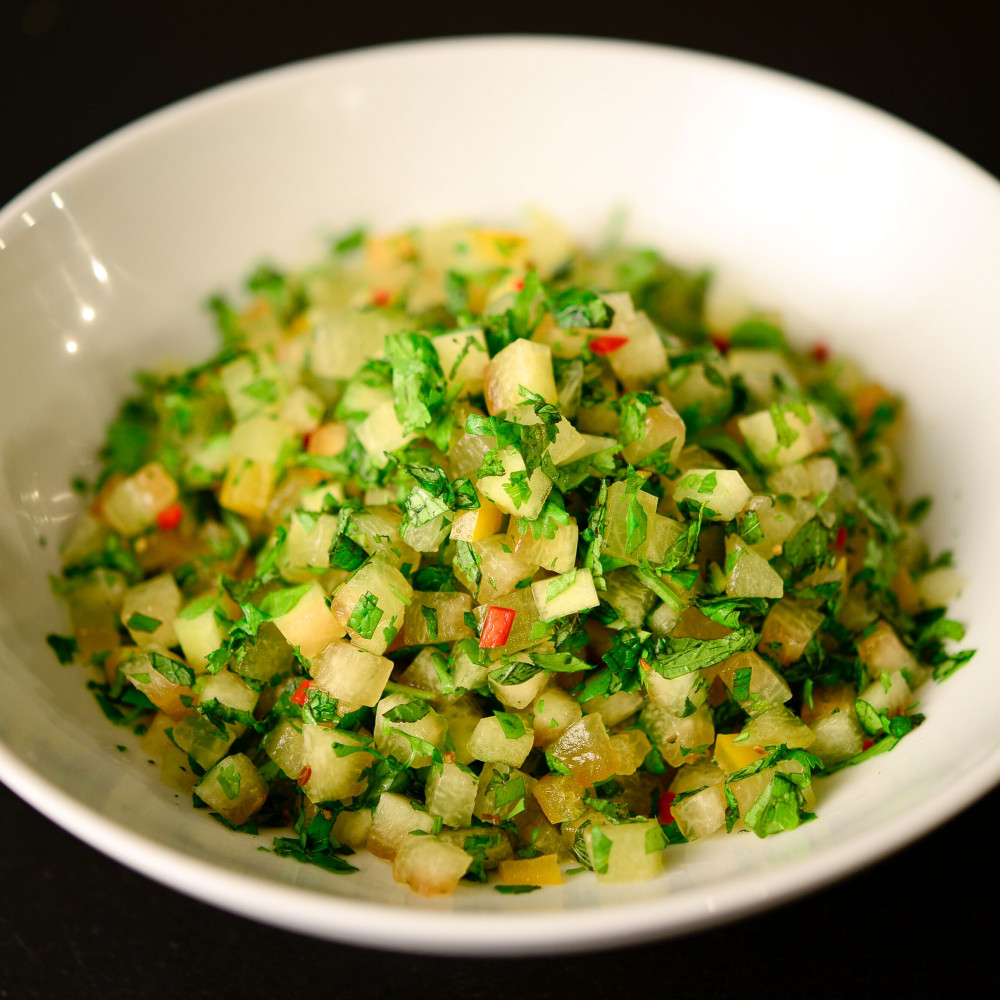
484, 552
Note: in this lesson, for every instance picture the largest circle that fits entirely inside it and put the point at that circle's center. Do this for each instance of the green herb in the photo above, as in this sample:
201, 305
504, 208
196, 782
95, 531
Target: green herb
434, 495
64, 646
469, 563
254, 617
808, 547
600, 849
346, 554
564, 663
518, 489
779, 807
525, 313
635, 517
407, 712
512, 726
632, 407
417, 380
513, 672
350, 241
576, 308
678, 656
264, 390
559, 584
430, 620
138, 622
741, 683
175, 672
289, 847
757, 334
655, 840
229, 781
420, 747
515, 890
365, 616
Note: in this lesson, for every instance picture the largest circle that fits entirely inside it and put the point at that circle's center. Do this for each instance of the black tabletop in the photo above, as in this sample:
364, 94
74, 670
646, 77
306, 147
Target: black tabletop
75, 924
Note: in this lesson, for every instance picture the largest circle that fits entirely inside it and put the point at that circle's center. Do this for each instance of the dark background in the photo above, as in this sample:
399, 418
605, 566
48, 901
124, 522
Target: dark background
75, 925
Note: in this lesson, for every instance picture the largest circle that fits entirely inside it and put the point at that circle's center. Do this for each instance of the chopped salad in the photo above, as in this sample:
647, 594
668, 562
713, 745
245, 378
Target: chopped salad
504, 560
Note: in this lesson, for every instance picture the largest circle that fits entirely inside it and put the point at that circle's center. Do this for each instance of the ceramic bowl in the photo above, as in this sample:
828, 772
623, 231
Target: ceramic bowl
858, 228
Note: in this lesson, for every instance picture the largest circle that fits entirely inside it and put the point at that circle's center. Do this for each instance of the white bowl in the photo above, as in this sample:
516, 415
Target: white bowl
855, 225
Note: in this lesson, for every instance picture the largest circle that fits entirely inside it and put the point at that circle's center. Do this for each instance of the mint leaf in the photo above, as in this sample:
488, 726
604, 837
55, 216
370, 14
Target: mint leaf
408, 712
176, 673
678, 656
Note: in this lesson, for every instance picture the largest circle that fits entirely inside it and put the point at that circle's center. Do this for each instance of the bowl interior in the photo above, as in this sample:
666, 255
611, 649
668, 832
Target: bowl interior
859, 229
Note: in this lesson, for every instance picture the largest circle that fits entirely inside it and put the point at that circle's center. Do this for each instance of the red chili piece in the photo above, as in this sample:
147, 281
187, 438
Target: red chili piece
665, 816
519, 285
820, 352
721, 344
496, 627
301, 693
304, 775
380, 297
867, 745
607, 345
841, 540
170, 517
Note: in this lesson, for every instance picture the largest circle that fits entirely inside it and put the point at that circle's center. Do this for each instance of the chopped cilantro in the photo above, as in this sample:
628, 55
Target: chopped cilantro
365, 616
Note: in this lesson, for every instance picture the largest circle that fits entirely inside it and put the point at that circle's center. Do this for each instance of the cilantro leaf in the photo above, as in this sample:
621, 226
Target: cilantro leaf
418, 384
779, 807
229, 781
365, 616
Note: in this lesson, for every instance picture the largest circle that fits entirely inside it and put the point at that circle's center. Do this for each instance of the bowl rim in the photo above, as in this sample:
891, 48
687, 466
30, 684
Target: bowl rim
497, 932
